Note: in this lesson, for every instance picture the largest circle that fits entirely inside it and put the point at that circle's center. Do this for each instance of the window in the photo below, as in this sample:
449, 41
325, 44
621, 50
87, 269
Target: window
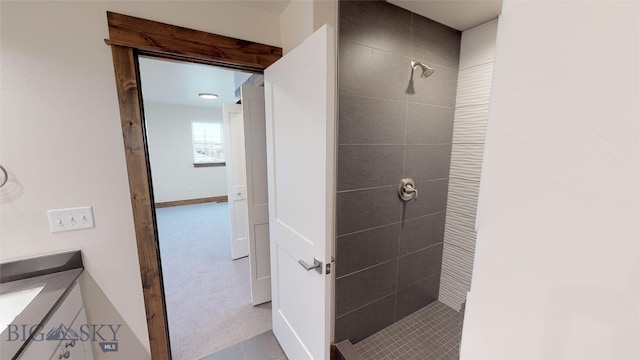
208, 148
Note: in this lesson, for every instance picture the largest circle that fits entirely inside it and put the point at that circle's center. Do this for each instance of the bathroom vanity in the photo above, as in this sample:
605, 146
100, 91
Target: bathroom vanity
41, 309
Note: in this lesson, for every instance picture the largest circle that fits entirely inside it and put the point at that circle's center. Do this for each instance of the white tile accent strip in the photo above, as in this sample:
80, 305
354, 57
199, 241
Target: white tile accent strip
470, 123
466, 161
453, 295
459, 230
474, 85
463, 196
459, 263
479, 45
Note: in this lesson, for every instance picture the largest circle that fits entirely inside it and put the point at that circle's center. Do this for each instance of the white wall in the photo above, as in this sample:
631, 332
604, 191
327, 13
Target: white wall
60, 136
171, 153
477, 50
556, 273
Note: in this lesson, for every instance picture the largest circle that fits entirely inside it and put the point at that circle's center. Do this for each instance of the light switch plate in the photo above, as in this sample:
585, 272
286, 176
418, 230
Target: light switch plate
70, 219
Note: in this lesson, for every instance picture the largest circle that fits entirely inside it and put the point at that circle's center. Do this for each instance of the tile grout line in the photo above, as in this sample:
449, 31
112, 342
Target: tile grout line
363, 306
388, 186
390, 260
400, 55
398, 144
476, 65
401, 101
393, 223
402, 205
367, 268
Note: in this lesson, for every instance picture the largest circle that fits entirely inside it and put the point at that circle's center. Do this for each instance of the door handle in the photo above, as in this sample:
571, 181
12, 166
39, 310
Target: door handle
317, 265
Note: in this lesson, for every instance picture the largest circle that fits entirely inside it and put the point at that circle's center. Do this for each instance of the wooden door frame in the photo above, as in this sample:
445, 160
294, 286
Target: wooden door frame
128, 38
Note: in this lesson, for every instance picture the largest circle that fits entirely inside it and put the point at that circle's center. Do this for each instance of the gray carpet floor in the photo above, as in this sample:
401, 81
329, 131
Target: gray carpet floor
207, 293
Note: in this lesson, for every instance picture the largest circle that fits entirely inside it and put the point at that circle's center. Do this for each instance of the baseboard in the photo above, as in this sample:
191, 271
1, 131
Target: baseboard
192, 201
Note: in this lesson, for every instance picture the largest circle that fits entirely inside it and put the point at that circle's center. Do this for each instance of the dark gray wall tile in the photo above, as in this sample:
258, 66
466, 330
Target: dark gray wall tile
427, 162
365, 209
422, 232
417, 296
428, 124
368, 72
434, 42
437, 89
376, 24
419, 265
432, 199
382, 103
366, 286
365, 166
371, 121
360, 250
366, 321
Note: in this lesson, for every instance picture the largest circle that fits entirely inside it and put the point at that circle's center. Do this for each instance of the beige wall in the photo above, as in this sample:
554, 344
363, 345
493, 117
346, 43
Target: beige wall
60, 136
301, 18
556, 273
296, 23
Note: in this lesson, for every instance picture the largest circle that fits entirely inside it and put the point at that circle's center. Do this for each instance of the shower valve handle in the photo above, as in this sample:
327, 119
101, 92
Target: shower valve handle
411, 190
407, 189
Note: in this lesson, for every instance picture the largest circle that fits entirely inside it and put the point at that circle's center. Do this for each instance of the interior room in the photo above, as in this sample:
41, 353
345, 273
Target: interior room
206, 282
484, 203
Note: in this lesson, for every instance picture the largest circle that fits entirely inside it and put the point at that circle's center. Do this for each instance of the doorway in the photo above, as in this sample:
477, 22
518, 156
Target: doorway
299, 122
129, 37
206, 279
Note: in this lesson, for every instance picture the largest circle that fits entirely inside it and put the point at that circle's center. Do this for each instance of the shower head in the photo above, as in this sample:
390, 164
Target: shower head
426, 71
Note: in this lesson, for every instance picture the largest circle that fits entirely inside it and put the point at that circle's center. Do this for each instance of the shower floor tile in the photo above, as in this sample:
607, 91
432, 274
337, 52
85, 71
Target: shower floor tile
432, 332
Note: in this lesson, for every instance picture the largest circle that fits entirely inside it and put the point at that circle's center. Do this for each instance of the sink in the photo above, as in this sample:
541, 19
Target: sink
12, 304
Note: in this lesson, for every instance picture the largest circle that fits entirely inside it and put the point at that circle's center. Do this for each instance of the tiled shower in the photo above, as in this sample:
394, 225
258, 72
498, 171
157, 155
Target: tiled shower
393, 124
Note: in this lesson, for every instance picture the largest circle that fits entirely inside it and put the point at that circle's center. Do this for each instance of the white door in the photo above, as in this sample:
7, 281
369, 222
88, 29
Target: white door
236, 178
257, 196
300, 108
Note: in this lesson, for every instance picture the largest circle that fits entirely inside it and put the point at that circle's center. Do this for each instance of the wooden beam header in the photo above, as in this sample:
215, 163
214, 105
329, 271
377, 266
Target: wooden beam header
176, 42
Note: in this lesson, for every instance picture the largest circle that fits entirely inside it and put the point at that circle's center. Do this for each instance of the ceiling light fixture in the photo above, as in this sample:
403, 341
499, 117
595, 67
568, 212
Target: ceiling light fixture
208, 96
